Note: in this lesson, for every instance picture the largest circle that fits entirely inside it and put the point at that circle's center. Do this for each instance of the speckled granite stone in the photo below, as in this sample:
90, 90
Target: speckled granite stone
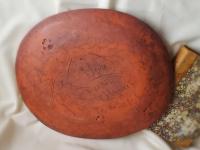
182, 121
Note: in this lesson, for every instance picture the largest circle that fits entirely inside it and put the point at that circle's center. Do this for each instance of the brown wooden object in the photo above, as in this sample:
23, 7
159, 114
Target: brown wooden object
94, 73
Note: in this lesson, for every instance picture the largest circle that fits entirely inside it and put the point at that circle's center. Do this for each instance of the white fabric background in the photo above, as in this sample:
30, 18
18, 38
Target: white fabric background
177, 21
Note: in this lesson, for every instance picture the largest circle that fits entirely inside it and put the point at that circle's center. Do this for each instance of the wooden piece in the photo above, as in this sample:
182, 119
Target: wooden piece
94, 73
184, 60
183, 143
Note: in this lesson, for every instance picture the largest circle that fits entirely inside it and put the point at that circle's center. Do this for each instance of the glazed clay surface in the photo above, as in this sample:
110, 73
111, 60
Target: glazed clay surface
94, 73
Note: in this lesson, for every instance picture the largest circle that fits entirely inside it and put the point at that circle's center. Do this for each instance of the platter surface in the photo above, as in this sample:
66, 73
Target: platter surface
94, 73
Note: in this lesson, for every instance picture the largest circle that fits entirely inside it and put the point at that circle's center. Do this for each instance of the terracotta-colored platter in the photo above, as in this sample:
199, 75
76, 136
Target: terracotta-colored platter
94, 73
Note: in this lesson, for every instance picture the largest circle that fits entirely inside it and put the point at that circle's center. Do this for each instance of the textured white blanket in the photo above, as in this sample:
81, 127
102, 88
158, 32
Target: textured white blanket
177, 21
